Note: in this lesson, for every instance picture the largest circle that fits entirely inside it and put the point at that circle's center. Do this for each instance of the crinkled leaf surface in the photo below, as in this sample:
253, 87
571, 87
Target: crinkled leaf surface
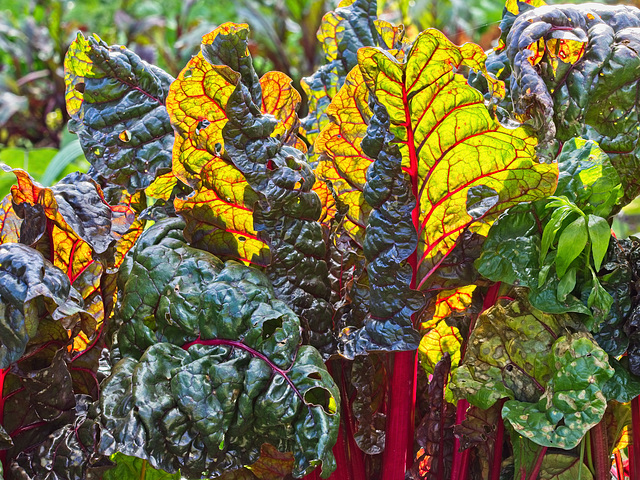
552, 373
343, 31
464, 166
585, 84
234, 356
30, 288
69, 453
369, 377
117, 104
434, 435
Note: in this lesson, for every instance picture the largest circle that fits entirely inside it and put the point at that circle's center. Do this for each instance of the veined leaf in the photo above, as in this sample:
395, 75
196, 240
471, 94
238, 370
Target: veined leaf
342, 33
70, 452
117, 105
438, 336
340, 157
9, 222
572, 241
218, 327
533, 359
452, 149
132, 468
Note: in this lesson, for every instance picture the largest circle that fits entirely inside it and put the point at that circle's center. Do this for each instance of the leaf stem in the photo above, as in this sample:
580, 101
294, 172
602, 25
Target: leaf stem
634, 451
460, 459
600, 451
251, 351
3, 453
589, 456
398, 452
538, 465
619, 466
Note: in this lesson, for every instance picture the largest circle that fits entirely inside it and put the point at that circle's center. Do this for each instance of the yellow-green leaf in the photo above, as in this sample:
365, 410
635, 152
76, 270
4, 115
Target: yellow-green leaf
464, 166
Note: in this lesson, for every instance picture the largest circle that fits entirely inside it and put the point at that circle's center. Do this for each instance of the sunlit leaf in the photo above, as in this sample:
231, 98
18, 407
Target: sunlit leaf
464, 166
341, 159
117, 105
9, 222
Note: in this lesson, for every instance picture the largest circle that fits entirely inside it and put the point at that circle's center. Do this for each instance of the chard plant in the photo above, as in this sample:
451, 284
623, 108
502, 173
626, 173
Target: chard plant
417, 280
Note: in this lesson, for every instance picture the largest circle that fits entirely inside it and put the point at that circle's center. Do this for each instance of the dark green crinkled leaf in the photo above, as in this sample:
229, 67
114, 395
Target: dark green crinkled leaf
434, 434
550, 369
69, 453
30, 288
287, 211
369, 377
235, 357
624, 386
38, 390
117, 105
389, 242
590, 93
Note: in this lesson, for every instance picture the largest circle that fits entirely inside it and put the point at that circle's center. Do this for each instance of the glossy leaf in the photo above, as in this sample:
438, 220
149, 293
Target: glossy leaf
287, 209
563, 467
69, 453
570, 244
370, 378
342, 32
227, 320
31, 287
341, 159
533, 358
583, 94
127, 149
464, 167
434, 435
599, 235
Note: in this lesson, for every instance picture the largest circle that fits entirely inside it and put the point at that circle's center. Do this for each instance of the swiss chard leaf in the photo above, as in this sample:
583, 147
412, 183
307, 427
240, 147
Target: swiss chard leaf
343, 31
31, 288
117, 105
540, 362
580, 87
229, 334
69, 453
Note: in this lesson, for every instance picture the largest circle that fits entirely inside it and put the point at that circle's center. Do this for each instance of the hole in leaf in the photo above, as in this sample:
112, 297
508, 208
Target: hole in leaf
271, 165
315, 376
79, 87
188, 73
321, 397
270, 326
202, 124
125, 136
509, 368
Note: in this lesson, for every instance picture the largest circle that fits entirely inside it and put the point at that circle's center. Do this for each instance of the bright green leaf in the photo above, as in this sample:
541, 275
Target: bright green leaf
599, 234
572, 241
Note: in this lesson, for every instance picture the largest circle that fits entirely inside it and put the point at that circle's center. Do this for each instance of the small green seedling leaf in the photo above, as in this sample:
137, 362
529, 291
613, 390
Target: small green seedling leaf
551, 229
567, 284
571, 244
599, 234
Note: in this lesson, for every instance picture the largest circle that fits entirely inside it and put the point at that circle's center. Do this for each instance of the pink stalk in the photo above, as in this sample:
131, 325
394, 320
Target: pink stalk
460, 459
600, 452
3, 453
398, 452
538, 465
634, 451
343, 470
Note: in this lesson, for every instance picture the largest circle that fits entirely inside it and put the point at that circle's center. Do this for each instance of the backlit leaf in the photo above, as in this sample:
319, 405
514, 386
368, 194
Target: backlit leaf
451, 146
572, 241
341, 159
9, 222
117, 105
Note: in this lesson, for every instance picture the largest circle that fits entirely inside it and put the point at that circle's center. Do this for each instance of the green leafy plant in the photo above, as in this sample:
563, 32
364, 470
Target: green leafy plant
417, 280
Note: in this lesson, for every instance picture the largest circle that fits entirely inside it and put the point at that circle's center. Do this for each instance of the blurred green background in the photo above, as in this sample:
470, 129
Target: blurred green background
35, 34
